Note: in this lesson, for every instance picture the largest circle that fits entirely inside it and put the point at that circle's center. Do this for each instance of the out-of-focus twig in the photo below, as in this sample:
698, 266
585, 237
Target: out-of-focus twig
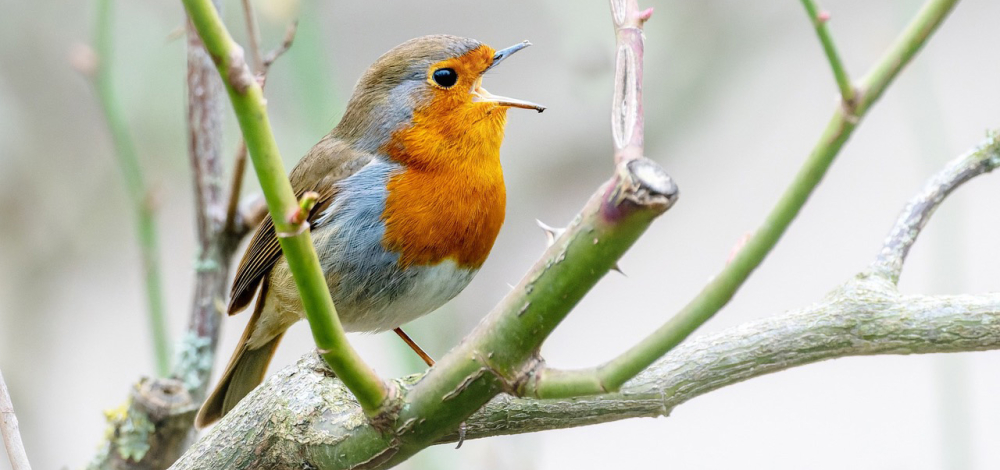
819, 20
137, 189
11, 433
240, 159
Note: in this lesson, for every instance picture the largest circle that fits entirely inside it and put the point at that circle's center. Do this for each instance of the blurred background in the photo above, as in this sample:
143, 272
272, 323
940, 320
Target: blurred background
736, 93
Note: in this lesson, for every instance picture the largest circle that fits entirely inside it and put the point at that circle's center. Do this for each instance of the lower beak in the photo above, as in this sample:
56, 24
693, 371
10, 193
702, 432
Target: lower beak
479, 94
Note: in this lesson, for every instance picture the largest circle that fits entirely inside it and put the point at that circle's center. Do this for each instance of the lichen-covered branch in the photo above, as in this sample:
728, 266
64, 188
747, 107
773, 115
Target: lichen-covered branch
302, 413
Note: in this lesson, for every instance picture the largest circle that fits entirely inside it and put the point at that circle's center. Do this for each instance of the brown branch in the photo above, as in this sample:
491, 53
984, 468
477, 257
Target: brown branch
236, 222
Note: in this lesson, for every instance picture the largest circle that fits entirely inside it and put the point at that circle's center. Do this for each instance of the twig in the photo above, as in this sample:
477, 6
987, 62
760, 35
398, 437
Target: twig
627, 117
723, 286
819, 20
277, 52
248, 102
235, 187
918, 211
253, 35
240, 159
11, 434
138, 192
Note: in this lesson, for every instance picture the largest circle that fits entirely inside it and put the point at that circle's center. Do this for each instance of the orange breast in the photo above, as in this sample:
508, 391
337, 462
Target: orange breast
449, 201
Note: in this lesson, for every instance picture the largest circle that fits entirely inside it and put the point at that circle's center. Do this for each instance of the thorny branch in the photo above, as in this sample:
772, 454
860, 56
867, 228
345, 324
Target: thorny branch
306, 417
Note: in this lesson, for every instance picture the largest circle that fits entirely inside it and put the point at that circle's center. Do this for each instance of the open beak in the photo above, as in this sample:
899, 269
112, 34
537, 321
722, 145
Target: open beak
480, 93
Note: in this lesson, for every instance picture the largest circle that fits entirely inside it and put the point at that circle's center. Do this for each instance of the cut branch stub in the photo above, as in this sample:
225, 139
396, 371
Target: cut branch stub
627, 119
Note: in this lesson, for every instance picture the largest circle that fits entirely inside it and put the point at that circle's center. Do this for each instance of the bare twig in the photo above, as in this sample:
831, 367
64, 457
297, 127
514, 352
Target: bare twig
234, 223
286, 44
819, 20
918, 211
253, 35
233, 206
11, 434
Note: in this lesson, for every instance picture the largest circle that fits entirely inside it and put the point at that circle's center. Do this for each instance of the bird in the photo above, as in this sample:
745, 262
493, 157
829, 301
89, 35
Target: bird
410, 198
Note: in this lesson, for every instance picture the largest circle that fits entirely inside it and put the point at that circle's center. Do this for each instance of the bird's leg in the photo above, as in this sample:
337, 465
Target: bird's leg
409, 342
430, 363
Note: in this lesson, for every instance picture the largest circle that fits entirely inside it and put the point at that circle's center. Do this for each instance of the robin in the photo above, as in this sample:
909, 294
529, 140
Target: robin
411, 198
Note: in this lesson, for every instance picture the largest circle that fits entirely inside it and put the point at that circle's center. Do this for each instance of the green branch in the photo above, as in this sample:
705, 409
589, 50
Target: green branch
721, 289
296, 243
135, 185
819, 20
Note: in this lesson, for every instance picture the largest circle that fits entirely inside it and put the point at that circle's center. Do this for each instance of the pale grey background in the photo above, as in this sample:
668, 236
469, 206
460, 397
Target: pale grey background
736, 94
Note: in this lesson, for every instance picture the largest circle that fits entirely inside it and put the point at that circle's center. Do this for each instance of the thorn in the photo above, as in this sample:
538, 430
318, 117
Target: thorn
551, 233
461, 435
645, 14
823, 16
617, 269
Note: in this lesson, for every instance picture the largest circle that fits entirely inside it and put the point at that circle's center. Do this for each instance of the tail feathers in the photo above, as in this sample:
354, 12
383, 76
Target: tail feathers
245, 372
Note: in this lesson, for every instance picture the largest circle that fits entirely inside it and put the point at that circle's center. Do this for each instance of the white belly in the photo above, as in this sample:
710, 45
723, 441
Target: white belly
429, 288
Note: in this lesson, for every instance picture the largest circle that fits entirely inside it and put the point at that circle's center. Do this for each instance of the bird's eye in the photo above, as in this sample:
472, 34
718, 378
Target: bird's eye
445, 77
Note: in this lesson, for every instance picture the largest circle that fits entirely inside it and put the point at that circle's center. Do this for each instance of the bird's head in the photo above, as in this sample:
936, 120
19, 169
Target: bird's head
425, 97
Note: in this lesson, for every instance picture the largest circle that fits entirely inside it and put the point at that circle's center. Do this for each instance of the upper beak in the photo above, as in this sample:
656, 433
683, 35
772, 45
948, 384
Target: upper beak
482, 95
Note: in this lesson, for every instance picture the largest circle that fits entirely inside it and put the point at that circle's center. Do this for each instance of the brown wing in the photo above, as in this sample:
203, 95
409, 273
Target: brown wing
329, 161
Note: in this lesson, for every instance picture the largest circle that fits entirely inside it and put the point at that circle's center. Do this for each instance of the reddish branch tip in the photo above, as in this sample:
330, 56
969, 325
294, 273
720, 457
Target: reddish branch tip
823, 17
645, 14
306, 204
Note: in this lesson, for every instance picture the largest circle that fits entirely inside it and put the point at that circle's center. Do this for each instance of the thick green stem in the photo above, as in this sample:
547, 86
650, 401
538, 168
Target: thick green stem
721, 289
819, 21
135, 185
296, 242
